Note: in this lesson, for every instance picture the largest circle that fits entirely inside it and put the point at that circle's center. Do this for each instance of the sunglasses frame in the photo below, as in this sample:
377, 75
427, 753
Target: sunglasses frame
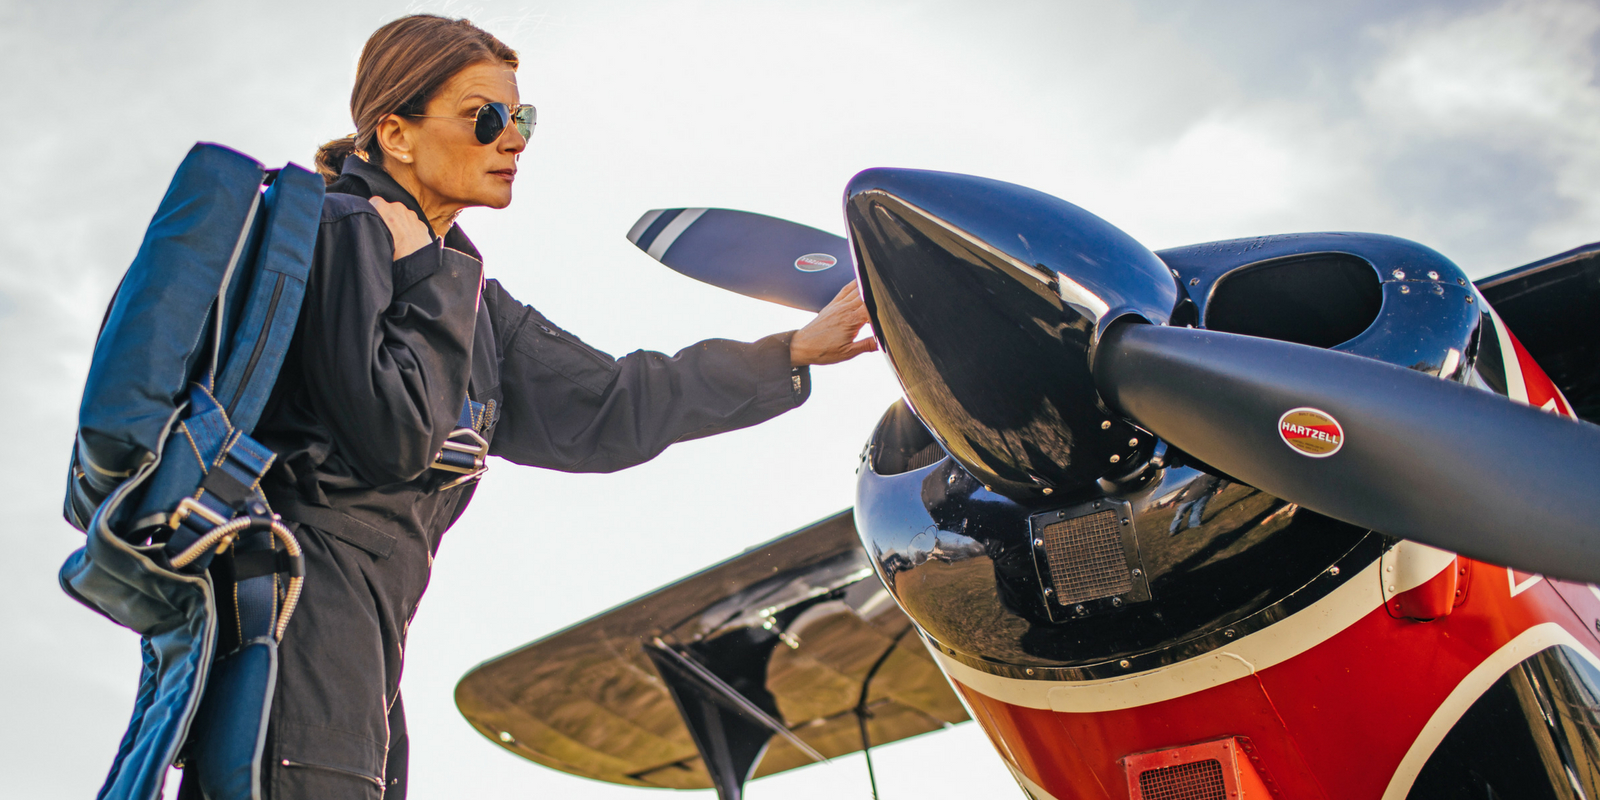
492, 119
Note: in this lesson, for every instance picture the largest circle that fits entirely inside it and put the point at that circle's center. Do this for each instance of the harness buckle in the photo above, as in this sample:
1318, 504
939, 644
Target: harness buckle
466, 452
189, 505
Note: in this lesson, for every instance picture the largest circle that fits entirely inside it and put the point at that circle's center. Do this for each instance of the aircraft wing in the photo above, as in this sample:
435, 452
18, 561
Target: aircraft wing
1552, 306
795, 626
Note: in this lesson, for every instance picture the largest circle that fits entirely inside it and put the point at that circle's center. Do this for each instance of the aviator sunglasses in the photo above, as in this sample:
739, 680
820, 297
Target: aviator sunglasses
492, 118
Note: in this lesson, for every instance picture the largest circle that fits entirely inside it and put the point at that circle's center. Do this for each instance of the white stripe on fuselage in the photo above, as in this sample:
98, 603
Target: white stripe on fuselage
1516, 381
1271, 645
1516, 387
1478, 681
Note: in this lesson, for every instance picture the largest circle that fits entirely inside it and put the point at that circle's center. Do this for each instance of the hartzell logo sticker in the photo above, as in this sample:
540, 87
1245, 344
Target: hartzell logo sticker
1311, 432
814, 262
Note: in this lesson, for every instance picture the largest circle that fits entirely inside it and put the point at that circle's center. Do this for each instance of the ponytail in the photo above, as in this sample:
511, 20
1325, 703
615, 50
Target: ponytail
331, 156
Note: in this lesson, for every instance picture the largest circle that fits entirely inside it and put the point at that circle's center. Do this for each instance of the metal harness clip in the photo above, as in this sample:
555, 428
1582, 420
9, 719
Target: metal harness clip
189, 505
466, 452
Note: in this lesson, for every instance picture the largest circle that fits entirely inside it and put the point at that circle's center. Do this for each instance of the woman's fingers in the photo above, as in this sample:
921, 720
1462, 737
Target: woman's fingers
844, 291
859, 346
830, 337
410, 233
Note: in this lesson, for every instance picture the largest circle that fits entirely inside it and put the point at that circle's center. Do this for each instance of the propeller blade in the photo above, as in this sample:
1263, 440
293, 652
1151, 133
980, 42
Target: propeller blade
755, 255
1373, 444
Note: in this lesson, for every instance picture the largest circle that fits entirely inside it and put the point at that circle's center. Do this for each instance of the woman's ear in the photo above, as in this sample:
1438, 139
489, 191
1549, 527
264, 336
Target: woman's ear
393, 137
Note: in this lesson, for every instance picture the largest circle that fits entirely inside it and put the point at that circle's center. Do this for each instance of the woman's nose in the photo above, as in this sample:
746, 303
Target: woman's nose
512, 140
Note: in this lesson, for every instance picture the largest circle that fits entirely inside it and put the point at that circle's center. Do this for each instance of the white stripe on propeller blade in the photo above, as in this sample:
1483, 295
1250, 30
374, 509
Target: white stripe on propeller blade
643, 224
674, 229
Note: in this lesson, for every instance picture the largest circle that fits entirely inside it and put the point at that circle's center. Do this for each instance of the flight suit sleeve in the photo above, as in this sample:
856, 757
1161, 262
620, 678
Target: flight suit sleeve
570, 407
386, 344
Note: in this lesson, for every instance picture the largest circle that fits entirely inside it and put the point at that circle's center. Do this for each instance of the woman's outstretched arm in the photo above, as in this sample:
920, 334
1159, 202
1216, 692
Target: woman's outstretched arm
570, 407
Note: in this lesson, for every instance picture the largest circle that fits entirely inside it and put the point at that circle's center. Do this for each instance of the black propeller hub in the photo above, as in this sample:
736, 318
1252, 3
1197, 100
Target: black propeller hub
967, 283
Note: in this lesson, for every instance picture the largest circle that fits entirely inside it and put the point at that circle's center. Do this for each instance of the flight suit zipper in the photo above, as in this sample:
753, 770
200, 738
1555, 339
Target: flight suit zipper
374, 780
575, 345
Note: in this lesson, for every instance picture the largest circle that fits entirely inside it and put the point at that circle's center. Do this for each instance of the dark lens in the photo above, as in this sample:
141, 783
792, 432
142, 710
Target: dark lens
492, 119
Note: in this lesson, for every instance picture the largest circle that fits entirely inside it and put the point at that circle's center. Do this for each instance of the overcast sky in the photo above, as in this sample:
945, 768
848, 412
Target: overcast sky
1468, 126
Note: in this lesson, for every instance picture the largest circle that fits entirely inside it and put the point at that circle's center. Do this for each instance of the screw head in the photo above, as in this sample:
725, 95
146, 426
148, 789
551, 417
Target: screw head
1048, 591
505, 736
1125, 521
1228, 633
1133, 442
1399, 274
1138, 573
1048, 490
1077, 609
1030, 670
1116, 602
1125, 663
1115, 459
1106, 425
1334, 571
1461, 281
1433, 276
1405, 290
1038, 543
1469, 298
1194, 281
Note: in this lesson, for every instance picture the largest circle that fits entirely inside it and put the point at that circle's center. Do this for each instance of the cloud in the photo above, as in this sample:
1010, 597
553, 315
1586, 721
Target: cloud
1512, 92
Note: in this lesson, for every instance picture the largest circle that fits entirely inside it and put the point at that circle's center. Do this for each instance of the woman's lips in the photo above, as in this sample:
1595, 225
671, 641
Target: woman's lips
508, 175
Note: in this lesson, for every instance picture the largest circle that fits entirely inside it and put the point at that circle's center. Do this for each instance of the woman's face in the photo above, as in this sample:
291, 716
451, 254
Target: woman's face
448, 169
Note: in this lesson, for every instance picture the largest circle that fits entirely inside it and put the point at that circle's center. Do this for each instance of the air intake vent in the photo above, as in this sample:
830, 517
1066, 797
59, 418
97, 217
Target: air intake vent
1196, 780
1088, 559
1225, 769
1085, 557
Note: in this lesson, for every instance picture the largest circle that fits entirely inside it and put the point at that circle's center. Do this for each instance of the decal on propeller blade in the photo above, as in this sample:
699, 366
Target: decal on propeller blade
1311, 432
815, 262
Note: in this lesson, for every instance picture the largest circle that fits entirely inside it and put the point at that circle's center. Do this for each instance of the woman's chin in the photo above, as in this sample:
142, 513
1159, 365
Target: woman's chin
498, 197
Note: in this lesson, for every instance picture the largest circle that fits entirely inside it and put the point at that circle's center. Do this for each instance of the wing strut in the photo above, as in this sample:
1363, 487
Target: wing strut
861, 707
730, 730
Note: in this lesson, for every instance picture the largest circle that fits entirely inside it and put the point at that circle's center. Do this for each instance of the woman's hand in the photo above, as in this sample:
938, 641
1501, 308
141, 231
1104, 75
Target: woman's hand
409, 232
831, 337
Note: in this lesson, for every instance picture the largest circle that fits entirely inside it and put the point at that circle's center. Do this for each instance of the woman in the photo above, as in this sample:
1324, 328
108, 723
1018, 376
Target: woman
402, 342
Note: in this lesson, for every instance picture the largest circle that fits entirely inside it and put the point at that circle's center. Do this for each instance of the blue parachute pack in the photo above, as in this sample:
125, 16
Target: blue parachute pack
165, 478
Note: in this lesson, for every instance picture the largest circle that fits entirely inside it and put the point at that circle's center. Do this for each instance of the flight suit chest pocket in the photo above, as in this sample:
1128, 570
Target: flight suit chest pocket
566, 355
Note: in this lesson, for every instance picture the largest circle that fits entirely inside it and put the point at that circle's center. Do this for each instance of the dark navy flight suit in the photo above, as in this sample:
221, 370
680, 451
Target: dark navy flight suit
385, 352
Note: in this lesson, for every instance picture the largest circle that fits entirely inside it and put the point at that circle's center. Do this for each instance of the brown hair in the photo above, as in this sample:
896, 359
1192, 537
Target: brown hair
401, 66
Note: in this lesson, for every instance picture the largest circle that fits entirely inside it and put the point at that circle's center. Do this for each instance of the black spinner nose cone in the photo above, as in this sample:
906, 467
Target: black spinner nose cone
988, 299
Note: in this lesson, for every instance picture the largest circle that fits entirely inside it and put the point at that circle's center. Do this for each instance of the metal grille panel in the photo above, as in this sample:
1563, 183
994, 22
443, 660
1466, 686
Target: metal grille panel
1196, 780
1086, 558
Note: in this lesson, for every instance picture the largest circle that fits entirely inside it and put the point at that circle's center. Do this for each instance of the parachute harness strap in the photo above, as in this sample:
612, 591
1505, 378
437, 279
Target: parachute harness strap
224, 535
